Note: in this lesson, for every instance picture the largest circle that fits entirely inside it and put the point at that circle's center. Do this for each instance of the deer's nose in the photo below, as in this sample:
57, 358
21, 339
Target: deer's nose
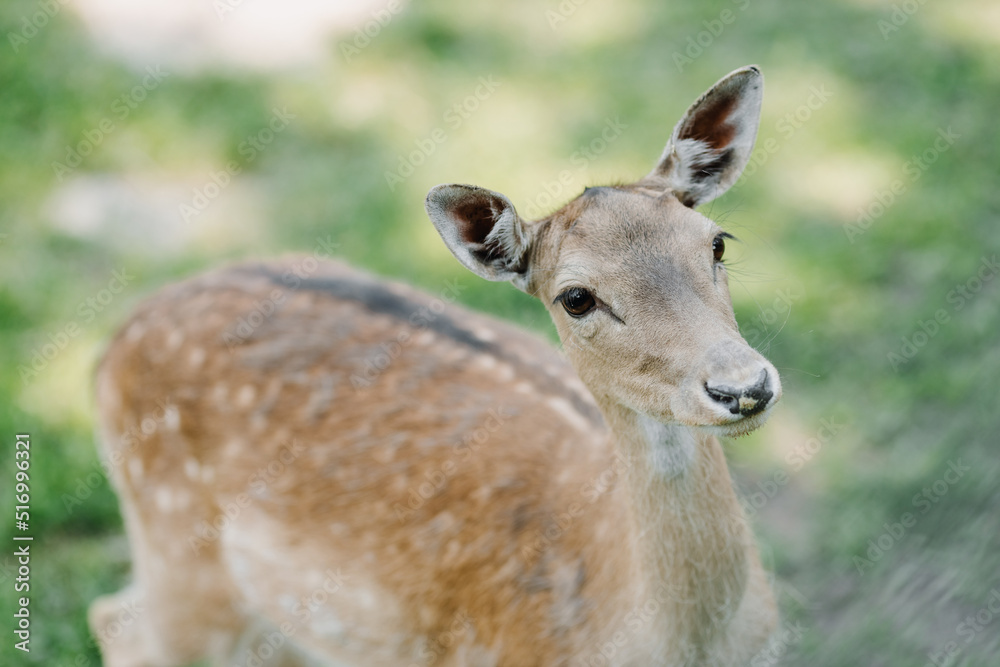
747, 400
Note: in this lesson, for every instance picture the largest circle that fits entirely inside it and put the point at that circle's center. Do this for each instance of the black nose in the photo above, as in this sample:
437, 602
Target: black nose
744, 401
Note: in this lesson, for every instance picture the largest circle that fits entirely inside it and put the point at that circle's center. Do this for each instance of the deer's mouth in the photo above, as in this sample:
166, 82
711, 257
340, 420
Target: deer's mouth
742, 425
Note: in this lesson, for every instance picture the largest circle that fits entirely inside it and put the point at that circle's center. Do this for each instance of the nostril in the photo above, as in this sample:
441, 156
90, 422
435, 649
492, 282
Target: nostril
744, 401
728, 397
754, 399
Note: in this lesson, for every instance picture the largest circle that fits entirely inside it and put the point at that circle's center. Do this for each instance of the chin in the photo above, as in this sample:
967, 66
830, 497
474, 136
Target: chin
739, 427
718, 423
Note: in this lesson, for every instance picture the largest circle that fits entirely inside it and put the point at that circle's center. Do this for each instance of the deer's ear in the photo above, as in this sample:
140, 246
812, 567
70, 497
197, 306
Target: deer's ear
711, 144
482, 230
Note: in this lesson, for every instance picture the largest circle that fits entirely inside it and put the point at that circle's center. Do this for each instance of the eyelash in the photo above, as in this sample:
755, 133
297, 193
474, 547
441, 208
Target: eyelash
718, 253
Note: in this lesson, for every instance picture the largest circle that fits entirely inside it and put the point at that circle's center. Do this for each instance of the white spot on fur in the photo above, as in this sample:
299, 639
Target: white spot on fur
384, 454
321, 398
191, 468
207, 474
174, 340
325, 624
424, 338
197, 357
234, 447
135, 468
164, 499
135, 332
239, 563
245, 396
468, 653
487, 335
484, 362
366, 598
172, 418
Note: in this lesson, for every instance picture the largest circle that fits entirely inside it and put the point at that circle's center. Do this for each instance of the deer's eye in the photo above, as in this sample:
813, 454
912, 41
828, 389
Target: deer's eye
719, 247
577, 301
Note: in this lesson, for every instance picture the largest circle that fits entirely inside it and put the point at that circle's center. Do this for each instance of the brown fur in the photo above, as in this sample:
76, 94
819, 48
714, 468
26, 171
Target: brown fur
493, 544
354, 472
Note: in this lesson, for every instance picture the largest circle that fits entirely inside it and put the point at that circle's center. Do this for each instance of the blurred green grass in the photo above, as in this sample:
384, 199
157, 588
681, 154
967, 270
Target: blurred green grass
325, 176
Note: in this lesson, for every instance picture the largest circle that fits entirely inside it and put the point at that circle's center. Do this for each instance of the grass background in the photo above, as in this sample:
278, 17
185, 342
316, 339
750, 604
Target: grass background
854, 297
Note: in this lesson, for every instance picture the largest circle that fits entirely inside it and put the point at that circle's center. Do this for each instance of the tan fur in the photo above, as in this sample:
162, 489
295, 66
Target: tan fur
400, 481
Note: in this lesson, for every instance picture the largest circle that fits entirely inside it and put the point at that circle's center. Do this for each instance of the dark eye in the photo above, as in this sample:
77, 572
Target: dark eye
577, 301
719, 247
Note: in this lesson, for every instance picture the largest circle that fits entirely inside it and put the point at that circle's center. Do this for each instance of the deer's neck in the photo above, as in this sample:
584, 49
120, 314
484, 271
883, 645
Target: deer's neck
691, 541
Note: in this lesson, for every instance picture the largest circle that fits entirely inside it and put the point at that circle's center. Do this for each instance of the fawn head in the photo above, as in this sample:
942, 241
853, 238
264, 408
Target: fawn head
633, 276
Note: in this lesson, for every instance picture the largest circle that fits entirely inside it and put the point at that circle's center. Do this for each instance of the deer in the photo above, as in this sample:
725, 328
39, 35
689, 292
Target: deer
366, 474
